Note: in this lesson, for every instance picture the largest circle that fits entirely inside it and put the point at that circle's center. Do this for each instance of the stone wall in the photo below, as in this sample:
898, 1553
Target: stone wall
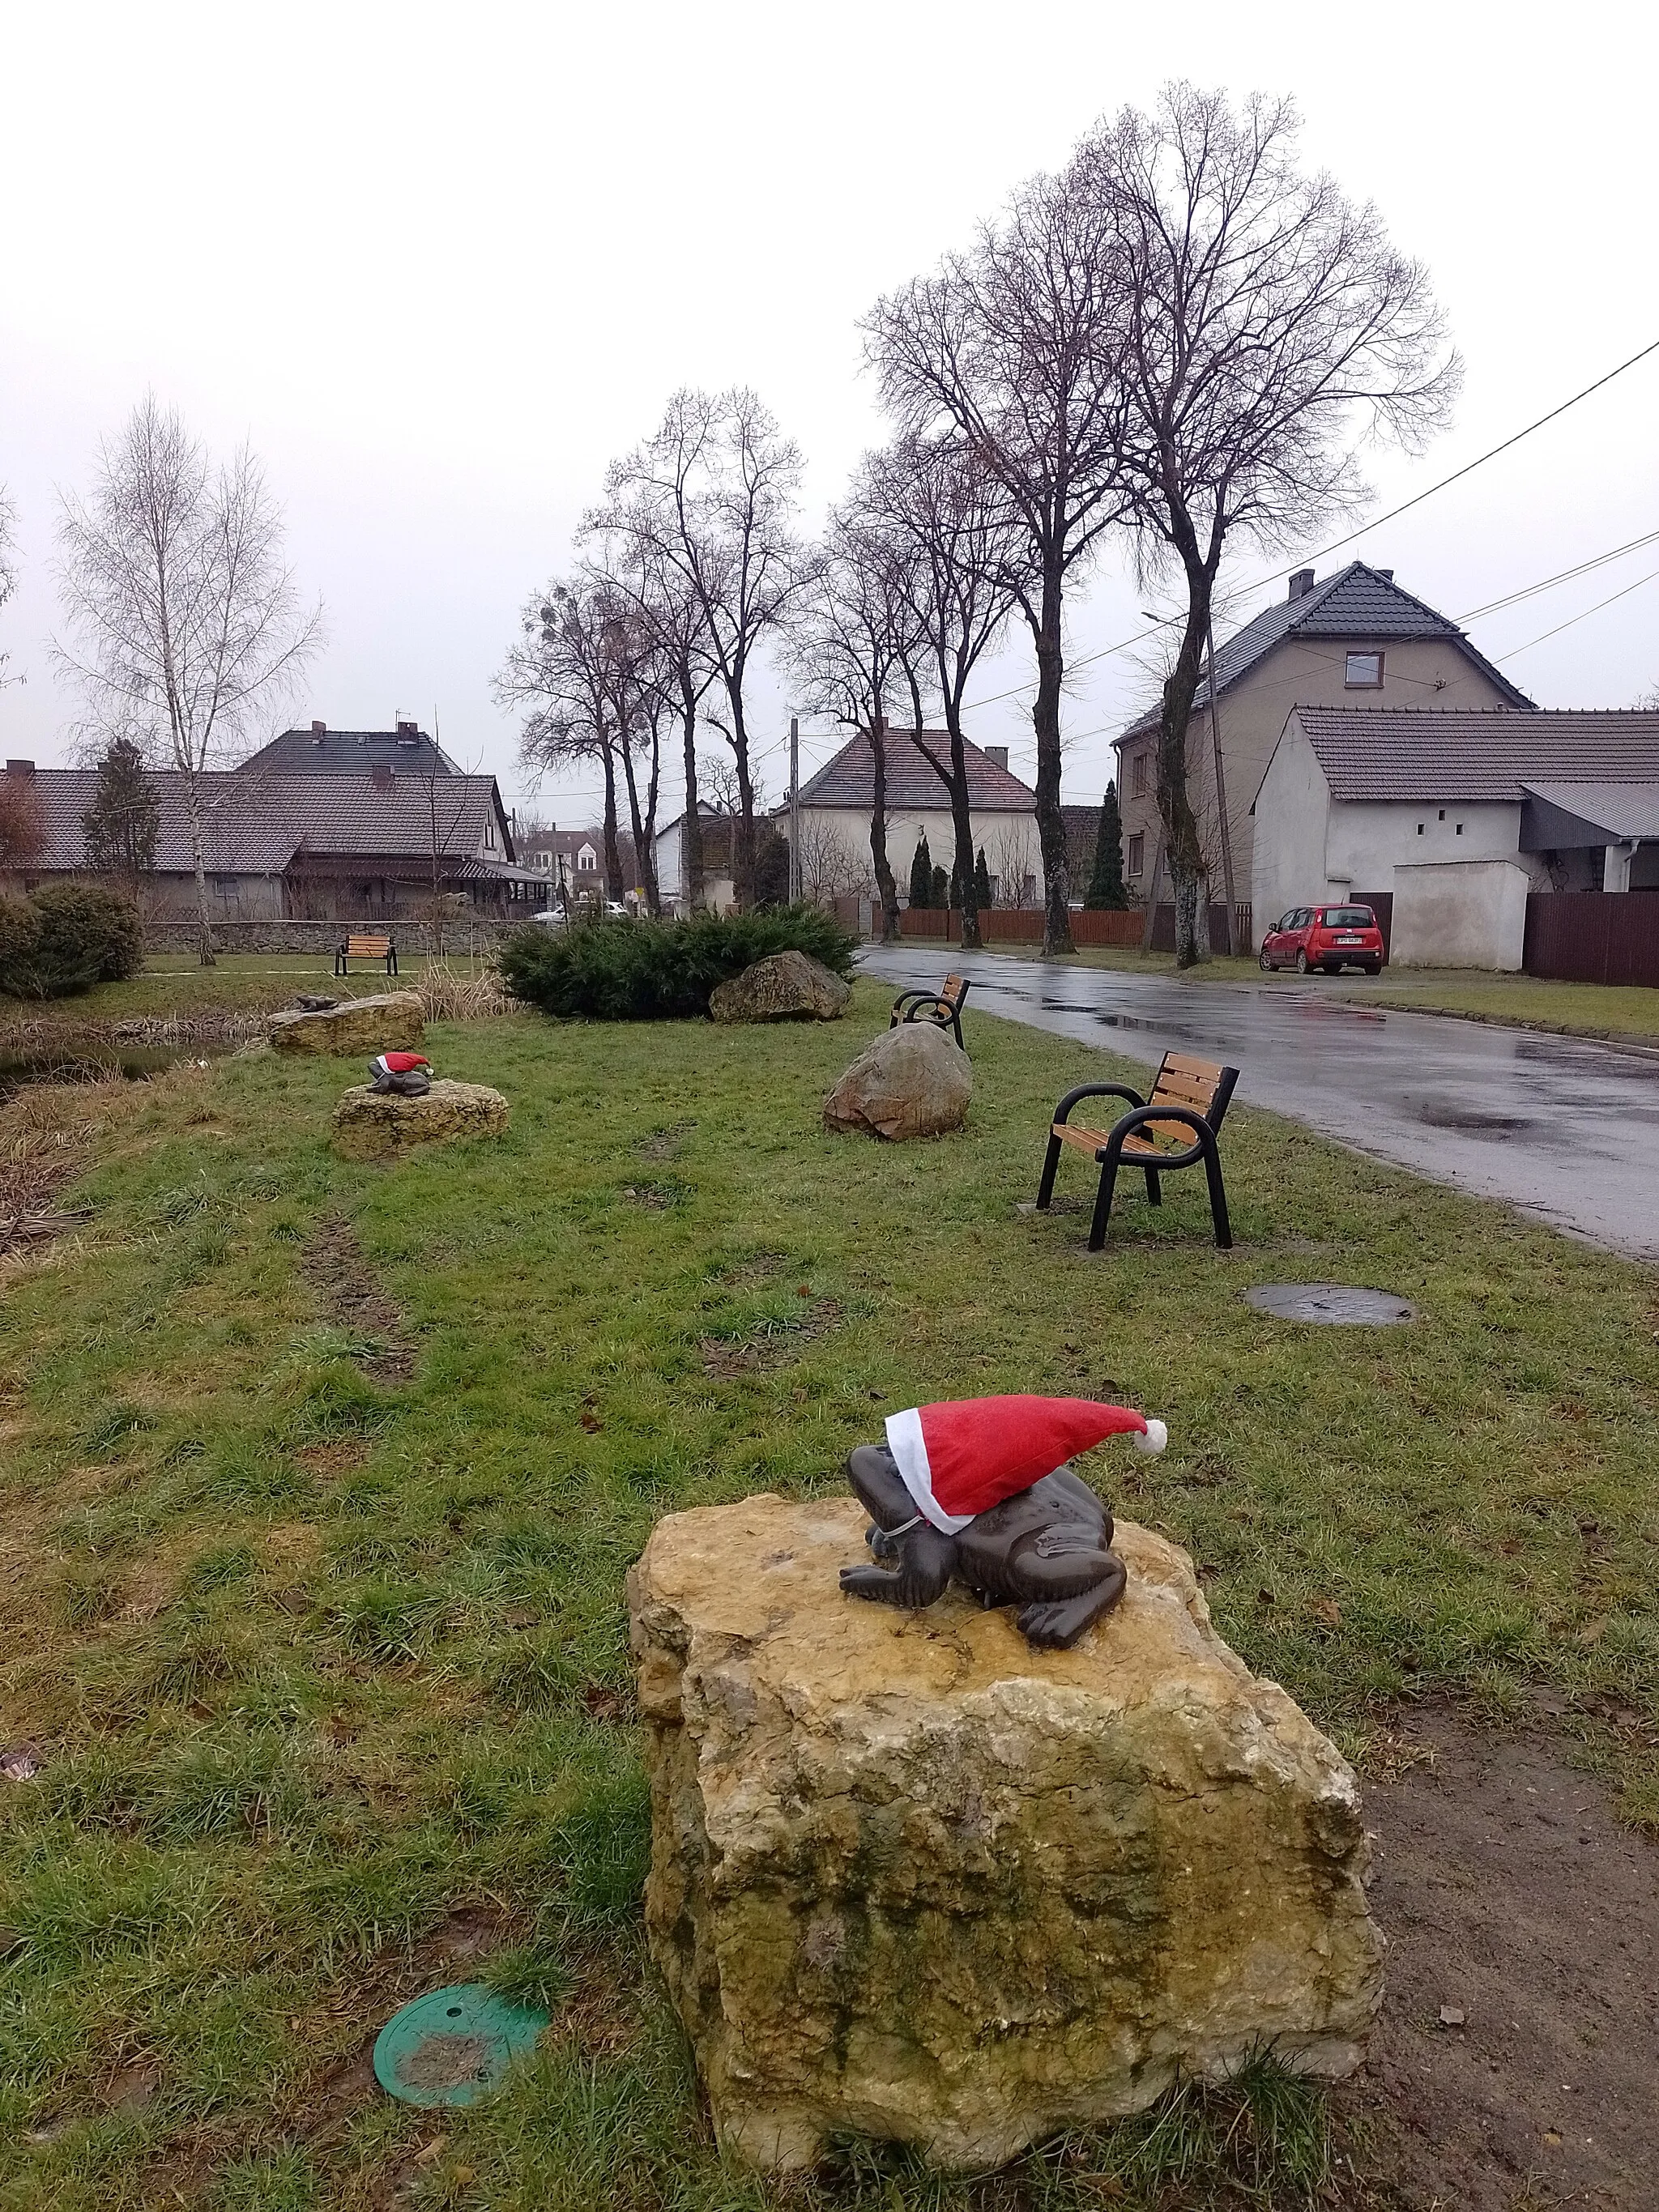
412, 938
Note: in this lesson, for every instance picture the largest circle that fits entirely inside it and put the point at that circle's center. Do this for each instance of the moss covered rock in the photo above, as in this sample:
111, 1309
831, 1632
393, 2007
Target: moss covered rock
913, 1879
390, 1021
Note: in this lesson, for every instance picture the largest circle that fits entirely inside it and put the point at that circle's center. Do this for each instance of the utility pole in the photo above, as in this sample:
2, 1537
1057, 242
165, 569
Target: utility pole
1221, 795
794, 808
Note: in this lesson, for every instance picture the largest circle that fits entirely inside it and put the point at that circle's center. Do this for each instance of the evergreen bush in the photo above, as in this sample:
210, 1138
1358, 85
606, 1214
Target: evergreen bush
642, 971
66, 938
921, 874
981, 883
1106, 892
940, 892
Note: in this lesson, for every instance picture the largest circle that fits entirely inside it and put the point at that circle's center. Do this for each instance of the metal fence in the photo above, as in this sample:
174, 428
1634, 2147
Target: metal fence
1593, 937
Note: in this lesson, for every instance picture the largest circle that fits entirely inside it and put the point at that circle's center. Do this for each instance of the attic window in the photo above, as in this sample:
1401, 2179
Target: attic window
1363, 672
1138, 776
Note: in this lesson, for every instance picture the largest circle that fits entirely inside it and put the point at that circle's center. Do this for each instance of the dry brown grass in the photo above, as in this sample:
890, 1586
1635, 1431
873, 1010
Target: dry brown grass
463, 995
46, 1133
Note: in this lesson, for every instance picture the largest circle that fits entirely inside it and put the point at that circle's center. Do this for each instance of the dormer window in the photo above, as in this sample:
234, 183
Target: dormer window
1363, 672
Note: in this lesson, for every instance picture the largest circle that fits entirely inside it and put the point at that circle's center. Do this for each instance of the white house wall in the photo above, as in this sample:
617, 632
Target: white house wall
1365, 841
1459, 913
992, 831
1292, 814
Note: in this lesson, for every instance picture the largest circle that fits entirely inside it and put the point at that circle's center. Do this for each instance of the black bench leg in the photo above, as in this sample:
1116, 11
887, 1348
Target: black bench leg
339, 963
1223, 1227
1154, 1189
955, 1024
1046, 1188
1103, 1202
391, 963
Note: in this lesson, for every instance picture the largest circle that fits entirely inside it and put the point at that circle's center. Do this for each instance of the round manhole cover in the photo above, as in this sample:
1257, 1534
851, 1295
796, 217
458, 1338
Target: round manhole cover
1343, 1305
452, 2046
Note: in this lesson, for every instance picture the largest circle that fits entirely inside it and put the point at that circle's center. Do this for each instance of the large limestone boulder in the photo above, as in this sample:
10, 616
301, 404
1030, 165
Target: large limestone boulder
785, 987
912, 1878
911, 1081
392, 1021
370, 1125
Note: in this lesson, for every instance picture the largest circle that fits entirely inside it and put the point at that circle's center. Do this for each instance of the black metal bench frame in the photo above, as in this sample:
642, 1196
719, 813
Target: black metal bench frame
1110, 1156
932, 1006
343, 953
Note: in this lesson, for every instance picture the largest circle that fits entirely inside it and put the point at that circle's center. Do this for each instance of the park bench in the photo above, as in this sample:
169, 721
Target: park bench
366, 944
943, 1007
1176, 1128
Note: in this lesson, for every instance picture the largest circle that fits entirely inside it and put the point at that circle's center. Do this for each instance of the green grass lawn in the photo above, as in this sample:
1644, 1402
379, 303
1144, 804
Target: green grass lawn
317, 1486
1596, 1010
175, 983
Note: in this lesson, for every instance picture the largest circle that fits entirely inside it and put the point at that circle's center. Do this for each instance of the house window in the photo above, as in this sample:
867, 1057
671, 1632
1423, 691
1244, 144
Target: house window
1363, 672
1137, 777
1137, 853
587, 859
490, 836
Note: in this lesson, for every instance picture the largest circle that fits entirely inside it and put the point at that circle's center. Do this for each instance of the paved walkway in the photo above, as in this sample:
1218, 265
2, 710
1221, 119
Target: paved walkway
1564, 1128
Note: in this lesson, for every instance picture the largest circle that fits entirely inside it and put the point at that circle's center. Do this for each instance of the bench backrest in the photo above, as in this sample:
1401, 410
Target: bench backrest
367, 948
1199, 1085
955, 989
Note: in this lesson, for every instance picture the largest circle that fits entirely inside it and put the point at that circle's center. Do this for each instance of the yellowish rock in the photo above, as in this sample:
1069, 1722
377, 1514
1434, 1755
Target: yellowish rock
913, 1879
372, 1125
390, 1021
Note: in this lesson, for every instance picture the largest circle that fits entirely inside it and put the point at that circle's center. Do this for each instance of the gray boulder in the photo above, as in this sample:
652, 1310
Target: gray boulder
391, 1021
911, 1081
785, 987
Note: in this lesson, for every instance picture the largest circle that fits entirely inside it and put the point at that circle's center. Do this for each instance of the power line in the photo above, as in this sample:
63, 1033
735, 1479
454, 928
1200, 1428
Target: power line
1571, 619
1566, 575
1279, 574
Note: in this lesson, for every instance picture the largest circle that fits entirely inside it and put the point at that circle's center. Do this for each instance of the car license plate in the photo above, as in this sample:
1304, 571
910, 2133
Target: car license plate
1350, 939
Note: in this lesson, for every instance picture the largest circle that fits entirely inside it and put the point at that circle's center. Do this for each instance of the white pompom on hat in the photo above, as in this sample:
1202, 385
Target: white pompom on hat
963, 1456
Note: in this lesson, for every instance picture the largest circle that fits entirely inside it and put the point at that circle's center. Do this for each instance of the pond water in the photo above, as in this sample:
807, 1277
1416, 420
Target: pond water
83, 1062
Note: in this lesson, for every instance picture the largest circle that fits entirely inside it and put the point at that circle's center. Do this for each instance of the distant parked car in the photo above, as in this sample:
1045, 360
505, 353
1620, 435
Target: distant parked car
1331, 938
551, 917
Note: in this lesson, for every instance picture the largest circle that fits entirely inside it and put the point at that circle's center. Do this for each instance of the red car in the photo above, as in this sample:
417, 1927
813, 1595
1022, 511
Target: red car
1327, 937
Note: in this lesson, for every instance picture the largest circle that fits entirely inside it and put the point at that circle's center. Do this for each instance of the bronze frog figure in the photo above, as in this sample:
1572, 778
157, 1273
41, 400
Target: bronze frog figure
1046, 1549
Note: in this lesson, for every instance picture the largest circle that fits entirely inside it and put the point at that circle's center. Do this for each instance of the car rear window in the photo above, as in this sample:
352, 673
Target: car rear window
1349, 917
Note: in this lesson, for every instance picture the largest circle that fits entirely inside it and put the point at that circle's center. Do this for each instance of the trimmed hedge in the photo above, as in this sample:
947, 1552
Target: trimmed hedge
65, 937
648, 971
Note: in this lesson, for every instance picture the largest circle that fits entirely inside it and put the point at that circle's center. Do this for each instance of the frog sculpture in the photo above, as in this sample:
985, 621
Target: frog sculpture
978, 1491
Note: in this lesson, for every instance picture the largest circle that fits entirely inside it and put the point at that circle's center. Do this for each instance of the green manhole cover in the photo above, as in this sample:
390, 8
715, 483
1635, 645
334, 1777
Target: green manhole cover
452, 2046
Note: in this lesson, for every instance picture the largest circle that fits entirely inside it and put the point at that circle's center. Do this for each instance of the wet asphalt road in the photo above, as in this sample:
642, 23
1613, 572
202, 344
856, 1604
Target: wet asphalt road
1565, 1129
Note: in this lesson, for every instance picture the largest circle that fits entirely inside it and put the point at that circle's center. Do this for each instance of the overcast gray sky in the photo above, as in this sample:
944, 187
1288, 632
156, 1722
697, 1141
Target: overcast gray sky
439, 264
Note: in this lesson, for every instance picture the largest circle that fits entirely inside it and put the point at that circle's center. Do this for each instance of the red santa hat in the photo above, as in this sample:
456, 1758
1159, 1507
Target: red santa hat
400, 1063
961, 1458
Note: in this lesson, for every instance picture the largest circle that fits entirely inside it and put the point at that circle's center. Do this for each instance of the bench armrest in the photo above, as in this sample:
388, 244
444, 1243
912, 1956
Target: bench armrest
927, 1006
1062, 1112
1203, 1134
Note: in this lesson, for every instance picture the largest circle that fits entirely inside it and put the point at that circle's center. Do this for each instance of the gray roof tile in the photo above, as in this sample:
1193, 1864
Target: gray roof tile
1436, 756
849, 780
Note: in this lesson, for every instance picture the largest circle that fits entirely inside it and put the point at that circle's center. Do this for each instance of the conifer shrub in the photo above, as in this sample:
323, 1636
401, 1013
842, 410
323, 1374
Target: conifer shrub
645, 971
65, 937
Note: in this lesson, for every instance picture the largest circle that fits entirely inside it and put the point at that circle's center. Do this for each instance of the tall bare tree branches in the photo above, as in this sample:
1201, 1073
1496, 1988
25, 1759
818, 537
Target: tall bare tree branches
558, 678
958, 542
180, 615
1009, 351
713, 494
1269, 326
857, 638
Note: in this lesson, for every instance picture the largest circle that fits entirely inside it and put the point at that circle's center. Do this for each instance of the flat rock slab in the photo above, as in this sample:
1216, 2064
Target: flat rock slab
912, 1878
392, 1021
785, 987
369, 1125
911, 1081
1340, 1305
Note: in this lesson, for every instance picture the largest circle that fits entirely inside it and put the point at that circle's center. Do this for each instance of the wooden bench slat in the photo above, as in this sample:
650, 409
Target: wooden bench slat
1182, 1093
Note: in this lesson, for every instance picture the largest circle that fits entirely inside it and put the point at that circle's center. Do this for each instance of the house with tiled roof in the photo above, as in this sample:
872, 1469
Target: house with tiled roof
1450, 818
332, 845
1356, 638
835, 805
405, 749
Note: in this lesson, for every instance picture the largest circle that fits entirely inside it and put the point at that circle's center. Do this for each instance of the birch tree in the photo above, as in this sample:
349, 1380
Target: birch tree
181, 619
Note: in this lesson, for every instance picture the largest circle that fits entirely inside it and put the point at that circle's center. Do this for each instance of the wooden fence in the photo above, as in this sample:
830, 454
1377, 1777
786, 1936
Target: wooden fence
1593, 937
1021, 924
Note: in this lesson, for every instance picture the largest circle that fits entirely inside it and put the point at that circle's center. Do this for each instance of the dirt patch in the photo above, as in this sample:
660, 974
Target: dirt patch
756, 1268
1515, 2062
760, 1351
335, 1266
664, 1144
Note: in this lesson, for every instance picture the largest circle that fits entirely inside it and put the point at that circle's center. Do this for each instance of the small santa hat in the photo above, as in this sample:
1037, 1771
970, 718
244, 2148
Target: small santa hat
962, 1457
400, 1063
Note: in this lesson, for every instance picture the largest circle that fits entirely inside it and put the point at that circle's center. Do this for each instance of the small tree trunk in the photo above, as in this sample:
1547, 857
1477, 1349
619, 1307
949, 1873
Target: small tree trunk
644, 831
193, 801
742, 870
692, 827
1183, 848
1051, 824
885, 883
613, 866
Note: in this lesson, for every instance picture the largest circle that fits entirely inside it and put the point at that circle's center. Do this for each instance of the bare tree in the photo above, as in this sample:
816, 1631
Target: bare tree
830, 867
1010, 352
181, 617
556, 676
963, 538
22, 821
8, 559
713, 494
1270, 326
1011, 861
856, 638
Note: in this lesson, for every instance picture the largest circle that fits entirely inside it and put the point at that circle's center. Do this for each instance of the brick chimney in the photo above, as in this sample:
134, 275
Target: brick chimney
380, 776
19, 767
997, 755
409, 729
1301, 584
320, 729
